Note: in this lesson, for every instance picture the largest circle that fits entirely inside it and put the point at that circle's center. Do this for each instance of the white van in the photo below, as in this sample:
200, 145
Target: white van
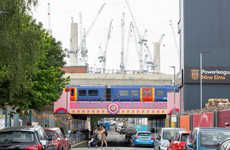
167, 134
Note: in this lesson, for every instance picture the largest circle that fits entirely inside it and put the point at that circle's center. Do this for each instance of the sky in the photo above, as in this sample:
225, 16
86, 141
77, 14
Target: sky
151, 15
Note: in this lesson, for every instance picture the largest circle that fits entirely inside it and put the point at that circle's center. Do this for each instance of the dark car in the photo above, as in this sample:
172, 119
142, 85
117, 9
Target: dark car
23, 138
129, 132
57, 139
209, 138
123, 130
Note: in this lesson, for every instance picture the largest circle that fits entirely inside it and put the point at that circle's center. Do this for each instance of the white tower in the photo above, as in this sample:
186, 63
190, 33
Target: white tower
157, 60
73, 52
157, 54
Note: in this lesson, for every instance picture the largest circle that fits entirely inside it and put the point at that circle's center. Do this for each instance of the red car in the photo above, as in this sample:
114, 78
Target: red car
57, 139
180, 140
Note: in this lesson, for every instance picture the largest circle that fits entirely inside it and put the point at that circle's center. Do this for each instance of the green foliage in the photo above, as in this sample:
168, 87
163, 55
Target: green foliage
30, 59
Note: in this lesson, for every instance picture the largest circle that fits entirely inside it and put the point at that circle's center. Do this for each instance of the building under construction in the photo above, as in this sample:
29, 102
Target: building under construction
204, 41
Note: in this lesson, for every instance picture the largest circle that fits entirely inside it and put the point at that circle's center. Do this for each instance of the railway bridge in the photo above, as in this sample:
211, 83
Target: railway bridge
89, 109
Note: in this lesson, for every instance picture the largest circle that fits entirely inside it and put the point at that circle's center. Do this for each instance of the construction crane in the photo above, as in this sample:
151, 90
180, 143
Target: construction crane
122, 65
130, 31
83, 49
131, 34
49, 19
141, 40
175, 43
148, 59
161, 38
102, 58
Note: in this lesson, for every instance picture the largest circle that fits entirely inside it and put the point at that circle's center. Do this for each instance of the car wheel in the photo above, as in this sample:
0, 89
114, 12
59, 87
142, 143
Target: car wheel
156, 148
131, 143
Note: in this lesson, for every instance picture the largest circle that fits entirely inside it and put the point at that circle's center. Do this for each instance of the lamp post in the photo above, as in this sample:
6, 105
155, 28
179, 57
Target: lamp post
174, 94
174, 78
201, 80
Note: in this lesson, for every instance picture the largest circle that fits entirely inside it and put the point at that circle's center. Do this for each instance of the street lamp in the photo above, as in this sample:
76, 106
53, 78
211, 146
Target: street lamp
201, 80
201, 88
174, 96
174, 78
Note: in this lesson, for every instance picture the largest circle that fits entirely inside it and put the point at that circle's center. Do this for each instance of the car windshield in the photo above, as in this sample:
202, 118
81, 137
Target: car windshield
51, 134
144, 134
212, 138
16, 137
169, 134
185, 138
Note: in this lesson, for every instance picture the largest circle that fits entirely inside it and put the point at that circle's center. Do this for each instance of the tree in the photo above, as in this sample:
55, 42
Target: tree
30, 60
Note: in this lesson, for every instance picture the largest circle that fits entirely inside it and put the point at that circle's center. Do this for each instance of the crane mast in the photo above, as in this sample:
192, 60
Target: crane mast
122, 65
141, 40
83, 48
175, 43
102, 59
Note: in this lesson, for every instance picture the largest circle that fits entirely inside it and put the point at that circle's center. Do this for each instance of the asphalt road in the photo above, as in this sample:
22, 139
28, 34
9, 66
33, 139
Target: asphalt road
115, 142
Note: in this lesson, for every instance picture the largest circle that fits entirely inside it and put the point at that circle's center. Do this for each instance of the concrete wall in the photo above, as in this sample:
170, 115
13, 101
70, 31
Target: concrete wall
119, 79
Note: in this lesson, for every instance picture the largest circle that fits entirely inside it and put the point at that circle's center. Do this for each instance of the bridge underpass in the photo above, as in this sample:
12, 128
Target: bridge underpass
116, 137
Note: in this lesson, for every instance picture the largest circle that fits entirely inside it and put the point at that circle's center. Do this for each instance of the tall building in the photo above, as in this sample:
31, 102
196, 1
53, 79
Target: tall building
204, 28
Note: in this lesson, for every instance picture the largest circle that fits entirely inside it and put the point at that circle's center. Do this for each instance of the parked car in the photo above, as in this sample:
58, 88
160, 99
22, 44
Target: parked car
208, 138
129, 132
180, 141
113, 122
28, 138
166, 135
57, 138
118, 126
145, 138
123, 130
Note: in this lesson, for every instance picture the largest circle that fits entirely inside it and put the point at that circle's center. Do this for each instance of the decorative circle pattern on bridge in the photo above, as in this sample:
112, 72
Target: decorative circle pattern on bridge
113, 108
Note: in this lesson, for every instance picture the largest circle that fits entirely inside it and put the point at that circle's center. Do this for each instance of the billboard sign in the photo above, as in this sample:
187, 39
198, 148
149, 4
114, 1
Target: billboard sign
212, 75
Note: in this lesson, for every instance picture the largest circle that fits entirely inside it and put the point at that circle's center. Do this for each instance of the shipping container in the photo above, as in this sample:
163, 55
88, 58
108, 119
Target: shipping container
204, 119
195, 120
207, 119
223, 117
185, 122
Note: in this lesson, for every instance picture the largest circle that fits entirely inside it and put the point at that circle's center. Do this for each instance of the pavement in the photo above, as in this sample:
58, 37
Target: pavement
115, 140
113, 148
